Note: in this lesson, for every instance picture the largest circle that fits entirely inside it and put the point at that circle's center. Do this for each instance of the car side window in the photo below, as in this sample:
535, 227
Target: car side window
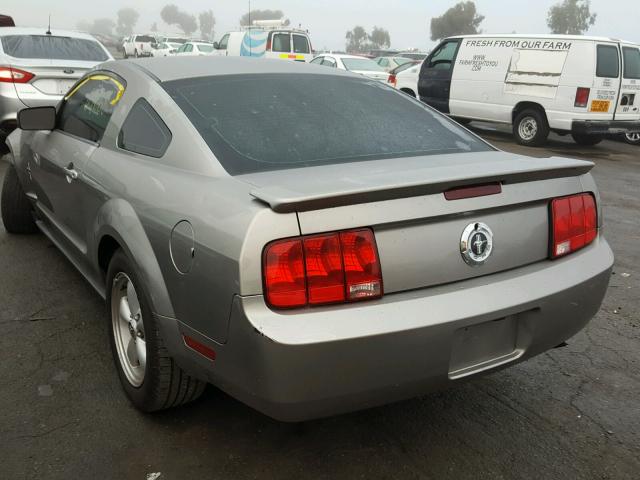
222, 45
144, 132
281, 42
317, 61
188, 48
87, 108
383, 62
442, 58
329, 62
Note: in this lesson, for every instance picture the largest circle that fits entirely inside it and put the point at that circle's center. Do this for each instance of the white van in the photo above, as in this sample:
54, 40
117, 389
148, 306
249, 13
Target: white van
138, 46
267, 39
584, 86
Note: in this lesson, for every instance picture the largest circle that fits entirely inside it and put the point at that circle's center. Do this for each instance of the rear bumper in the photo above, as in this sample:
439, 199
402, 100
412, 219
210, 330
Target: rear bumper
604, 127
296, 366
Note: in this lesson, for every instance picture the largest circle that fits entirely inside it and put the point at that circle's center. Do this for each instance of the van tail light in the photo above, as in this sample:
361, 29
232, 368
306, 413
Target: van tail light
574, 223
392, 79
322, 269
582, 97
268, 48
14, 75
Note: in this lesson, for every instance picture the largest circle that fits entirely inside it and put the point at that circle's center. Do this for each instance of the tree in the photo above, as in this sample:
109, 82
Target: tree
103, 26
379, 38
356, 39
261, 15
100, 26
127, 19
207, 23
462, 18
571, 17
172, 15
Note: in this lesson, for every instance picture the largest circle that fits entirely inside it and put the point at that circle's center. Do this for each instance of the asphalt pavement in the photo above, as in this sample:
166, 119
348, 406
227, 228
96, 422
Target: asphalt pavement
571, 413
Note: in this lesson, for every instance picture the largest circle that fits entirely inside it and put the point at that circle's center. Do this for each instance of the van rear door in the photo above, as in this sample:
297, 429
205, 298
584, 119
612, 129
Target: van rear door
628, 107
604, 97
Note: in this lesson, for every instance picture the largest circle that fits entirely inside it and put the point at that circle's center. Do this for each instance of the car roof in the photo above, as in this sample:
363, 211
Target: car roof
167, 69
342, 55
43, 31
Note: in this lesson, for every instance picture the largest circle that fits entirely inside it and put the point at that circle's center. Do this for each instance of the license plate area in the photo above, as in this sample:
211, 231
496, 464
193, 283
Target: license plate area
479, 347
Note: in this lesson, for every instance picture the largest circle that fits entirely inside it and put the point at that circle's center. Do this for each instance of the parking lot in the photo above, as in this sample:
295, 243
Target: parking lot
570, 413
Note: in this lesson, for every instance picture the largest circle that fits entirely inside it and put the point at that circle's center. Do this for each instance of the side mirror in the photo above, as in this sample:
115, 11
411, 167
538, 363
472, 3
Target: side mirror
216, 45
37, 118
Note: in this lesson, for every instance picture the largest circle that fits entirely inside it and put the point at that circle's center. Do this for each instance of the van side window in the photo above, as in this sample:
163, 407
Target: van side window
442, 58
300, 44
87, 108
608, 64
144, 132
329, 62
281, 42
223, 42
631, 62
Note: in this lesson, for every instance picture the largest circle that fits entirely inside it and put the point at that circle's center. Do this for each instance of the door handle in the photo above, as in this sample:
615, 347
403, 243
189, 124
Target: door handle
70, 172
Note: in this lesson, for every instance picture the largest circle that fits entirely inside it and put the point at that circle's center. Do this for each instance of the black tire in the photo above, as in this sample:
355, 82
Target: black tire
632, 138
587, 140
165, 384
409, 92
17, 211
534, 122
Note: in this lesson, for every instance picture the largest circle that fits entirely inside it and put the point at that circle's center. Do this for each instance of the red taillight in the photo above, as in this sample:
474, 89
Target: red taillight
574, 223
392, 79
582, 97
322, 269
14, 75
268, 44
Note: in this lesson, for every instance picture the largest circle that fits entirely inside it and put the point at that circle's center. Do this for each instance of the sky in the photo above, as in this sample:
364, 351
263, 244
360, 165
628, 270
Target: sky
328, 20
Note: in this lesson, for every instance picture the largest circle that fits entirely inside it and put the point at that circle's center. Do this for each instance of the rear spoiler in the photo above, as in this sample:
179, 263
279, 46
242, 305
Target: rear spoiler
315, 192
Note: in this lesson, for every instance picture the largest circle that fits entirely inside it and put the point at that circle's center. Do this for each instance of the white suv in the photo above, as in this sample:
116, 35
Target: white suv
138, 46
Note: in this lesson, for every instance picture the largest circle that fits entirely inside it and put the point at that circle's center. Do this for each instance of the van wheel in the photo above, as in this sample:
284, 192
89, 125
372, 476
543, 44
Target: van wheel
632, 138
17, 212
587, 140
149, 376
531, 128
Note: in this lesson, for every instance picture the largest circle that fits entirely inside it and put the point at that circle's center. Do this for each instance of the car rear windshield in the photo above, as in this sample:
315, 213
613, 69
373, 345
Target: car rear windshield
205, 48
263, 122
52, 47
362, 64
145, 39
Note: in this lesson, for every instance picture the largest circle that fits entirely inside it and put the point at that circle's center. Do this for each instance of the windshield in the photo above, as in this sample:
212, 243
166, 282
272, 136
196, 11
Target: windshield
51, 47
265, 122
145, 39
177, 40
205, 48
361, 64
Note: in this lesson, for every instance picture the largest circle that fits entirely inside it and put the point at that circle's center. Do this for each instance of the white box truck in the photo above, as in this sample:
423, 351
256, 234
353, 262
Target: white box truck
588, 87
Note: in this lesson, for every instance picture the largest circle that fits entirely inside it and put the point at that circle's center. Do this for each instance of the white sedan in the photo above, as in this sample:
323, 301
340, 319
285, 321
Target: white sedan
353, 63
195, 48
405, 78
164, 49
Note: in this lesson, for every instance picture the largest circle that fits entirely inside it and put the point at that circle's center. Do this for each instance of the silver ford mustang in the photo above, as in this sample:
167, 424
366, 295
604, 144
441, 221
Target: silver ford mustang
308, 240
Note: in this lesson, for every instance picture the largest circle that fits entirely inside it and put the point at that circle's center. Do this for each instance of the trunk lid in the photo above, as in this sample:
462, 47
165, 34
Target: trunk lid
418, 231
53, 79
